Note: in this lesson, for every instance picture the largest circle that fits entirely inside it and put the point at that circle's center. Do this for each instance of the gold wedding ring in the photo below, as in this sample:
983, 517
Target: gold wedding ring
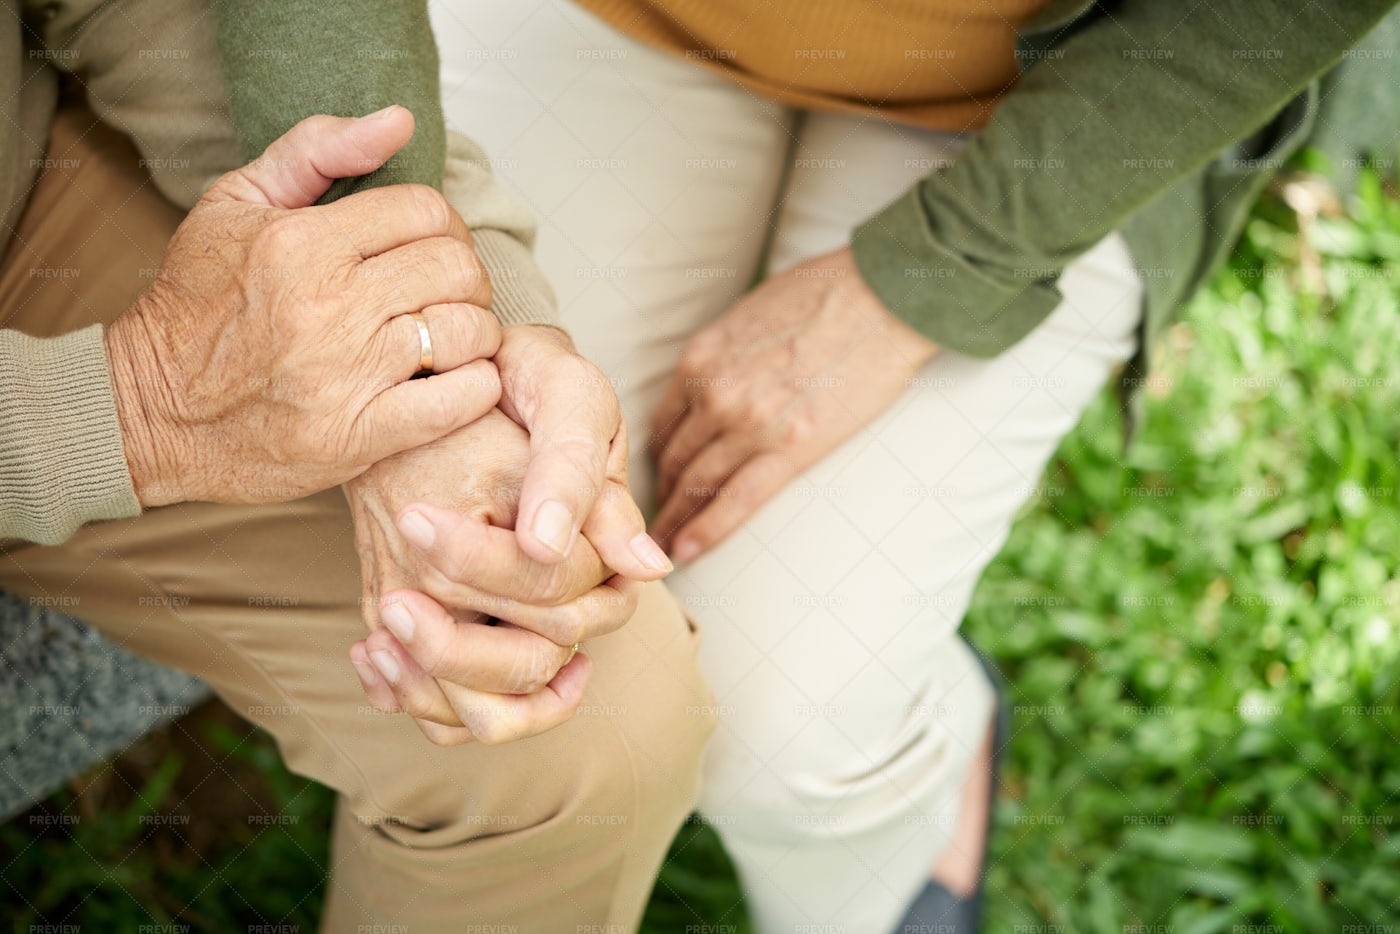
577, 646
425, 344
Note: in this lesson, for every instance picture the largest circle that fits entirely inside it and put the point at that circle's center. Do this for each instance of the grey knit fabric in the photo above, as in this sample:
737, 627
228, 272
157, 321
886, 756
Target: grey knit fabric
69, 699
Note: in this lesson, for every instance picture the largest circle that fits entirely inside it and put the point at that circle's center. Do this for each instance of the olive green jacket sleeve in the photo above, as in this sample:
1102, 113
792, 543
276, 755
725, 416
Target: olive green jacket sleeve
1143, 95
284, 60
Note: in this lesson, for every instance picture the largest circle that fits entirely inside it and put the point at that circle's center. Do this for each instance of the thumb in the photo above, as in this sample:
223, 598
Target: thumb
301, 164
565, 492
562, 481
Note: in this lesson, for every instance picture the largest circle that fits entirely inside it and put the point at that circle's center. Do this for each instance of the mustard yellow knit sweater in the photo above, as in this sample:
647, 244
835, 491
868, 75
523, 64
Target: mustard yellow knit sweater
934, 63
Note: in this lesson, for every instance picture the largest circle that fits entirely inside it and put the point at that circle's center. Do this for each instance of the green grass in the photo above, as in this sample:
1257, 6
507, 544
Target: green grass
197, 825
1202, 641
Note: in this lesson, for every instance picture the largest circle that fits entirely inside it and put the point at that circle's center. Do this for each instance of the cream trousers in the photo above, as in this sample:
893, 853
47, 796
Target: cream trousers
850, 709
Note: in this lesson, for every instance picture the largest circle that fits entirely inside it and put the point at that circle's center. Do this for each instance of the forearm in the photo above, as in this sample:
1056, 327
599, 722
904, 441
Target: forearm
61, 456
285, 60
1134, 103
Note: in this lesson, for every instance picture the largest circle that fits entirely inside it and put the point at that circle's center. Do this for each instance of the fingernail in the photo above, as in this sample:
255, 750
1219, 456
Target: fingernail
686, 549
650, 553
399, 621
554, 526
387, 664
380, 114
417, 529
366, 672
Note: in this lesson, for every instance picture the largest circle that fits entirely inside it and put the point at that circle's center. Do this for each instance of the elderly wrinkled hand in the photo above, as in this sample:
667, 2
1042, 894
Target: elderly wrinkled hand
520, 519
473, 637
797, 366
271, 357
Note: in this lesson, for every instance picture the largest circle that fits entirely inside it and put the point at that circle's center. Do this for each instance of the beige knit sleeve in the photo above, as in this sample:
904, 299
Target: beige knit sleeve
150, 69
504, 232
61, 458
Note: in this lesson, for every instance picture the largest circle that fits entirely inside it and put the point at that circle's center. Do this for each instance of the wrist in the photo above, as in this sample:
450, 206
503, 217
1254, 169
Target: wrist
145, 434
918, 348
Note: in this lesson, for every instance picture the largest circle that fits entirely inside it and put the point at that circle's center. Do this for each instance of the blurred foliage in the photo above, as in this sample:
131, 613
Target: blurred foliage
1201, 638
196, 825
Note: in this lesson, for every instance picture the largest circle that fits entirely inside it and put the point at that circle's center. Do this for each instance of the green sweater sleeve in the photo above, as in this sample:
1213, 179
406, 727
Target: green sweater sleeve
1130, 104
285, 60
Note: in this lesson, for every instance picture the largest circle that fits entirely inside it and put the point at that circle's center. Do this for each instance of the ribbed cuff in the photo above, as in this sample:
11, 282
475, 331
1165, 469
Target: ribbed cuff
61, 458
519, 292
942, 295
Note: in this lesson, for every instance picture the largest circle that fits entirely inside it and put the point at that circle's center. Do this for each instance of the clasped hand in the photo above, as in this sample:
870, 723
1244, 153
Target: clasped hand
271, 359
490, 555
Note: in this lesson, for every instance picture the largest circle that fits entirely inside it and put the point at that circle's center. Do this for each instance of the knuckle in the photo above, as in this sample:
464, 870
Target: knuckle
765, 409
572, 622
555, 590
433, 658
612, 612
489, 323
484, 385
439, 414
537, 671
492, 730
452, 562
492, 735
415, 704
484, 329
280, 236
490, 384
429, 206
316, 125
488, 375
628, 600
795, 430
460, 268
721, 406
472, 266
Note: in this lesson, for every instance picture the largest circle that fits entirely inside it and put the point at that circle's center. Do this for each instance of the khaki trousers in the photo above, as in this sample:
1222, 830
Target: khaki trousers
556, 833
